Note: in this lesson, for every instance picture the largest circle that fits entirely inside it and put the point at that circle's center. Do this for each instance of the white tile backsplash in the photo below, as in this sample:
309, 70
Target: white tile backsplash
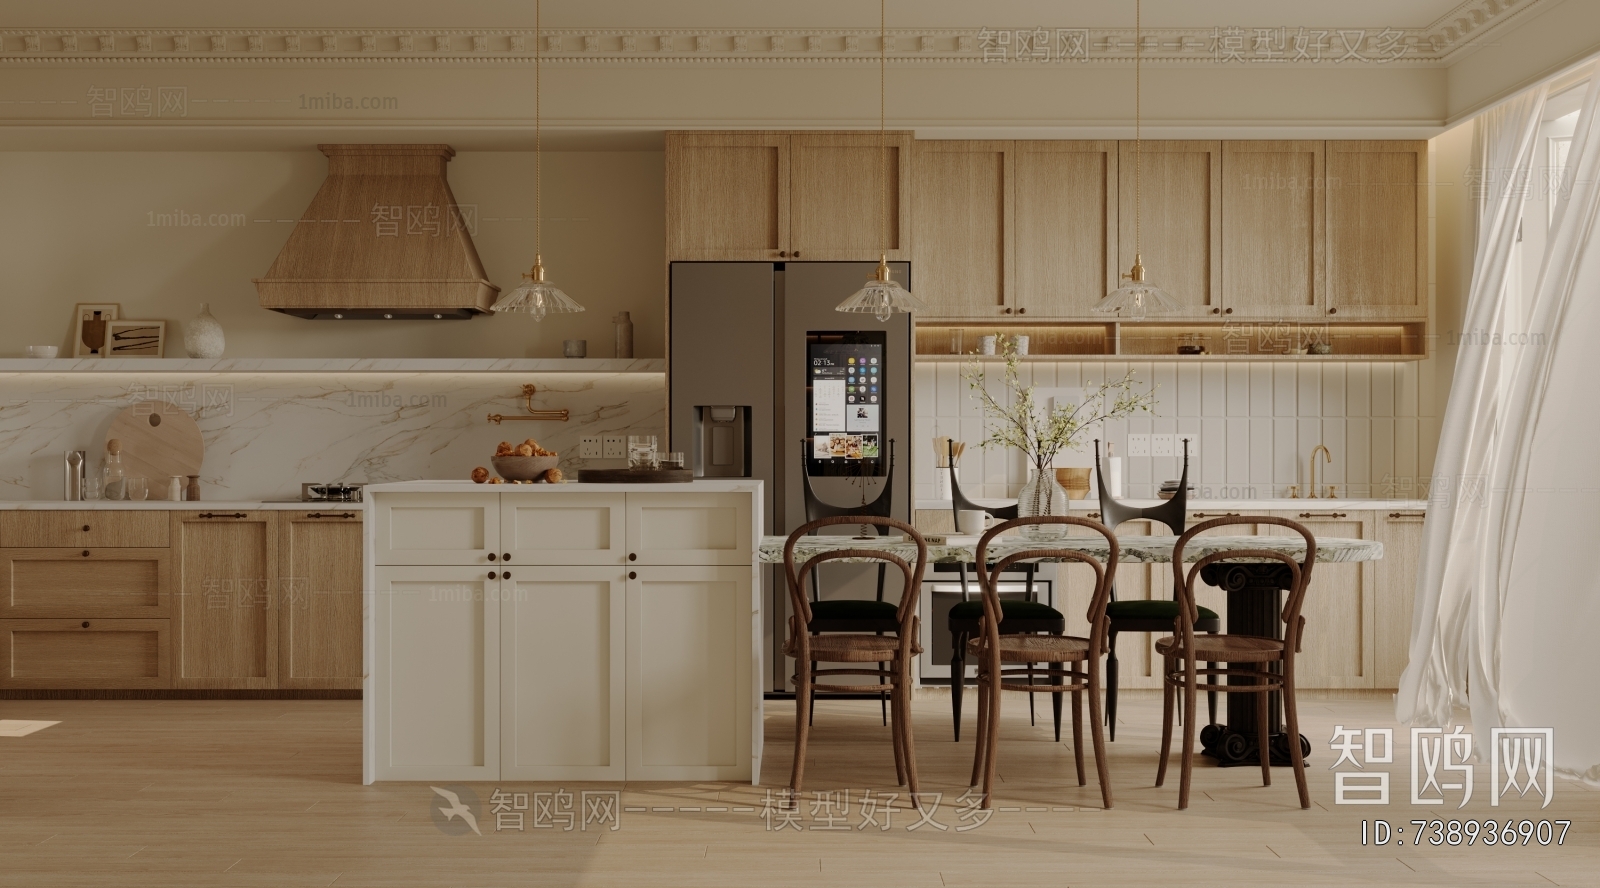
1256, 425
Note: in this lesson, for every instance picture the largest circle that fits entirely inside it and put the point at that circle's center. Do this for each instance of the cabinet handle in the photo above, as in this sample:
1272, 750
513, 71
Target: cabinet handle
1217, 515
221, 515
633, 556
491, 556
1394, 515
1322, 515
86, 553
85, 624
633, 575
1333, 311
1095, 515
86, 528
331, 515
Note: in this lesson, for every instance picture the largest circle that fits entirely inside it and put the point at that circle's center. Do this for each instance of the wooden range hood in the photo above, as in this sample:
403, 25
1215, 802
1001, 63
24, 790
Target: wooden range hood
383, 238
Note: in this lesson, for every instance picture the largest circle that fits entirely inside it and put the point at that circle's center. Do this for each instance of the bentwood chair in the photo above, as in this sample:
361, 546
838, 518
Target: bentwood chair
890, 656
1152, 614
1003, 655
851, 614
1248, 657
1027, 614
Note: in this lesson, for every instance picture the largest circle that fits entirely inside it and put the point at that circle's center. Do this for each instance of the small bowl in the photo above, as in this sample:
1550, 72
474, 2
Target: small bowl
524, 468
1075, 482
43, 351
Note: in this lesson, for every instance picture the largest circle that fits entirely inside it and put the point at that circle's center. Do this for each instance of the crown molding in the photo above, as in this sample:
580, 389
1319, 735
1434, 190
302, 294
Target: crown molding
1464, 28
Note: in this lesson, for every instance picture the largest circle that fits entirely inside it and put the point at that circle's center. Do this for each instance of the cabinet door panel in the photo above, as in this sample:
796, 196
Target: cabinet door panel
1066, 231
689, 691
1272, 228
85, 583
1181, 220
563, 528
1337, 651
961, 215
1396, 588
97, 528
436, 529
93, 653
1377, 229
837, 204
563, 674
727, 195
319, 630
690, 528
437, 700
227, 603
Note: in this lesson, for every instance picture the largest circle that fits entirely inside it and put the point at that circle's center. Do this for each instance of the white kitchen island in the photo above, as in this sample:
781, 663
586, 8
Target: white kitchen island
562, 631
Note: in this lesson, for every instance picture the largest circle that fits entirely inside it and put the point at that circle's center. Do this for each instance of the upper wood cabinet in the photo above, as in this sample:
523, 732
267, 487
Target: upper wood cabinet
1176, 222
962, 217
1066, 228
1273, 214
774, 196
1377, 229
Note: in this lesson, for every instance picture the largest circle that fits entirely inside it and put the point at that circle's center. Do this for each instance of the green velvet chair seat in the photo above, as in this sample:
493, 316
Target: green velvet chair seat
1010, 608
854, 609
1151, 609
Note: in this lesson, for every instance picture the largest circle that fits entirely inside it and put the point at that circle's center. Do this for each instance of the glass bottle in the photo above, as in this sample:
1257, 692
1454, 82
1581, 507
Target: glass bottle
114, 484
1042, 495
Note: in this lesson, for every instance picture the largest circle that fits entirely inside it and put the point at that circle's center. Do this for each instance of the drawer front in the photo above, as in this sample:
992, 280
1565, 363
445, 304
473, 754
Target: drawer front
563, 528
690, 528
102, 583
424, 529
85, 654
25, 529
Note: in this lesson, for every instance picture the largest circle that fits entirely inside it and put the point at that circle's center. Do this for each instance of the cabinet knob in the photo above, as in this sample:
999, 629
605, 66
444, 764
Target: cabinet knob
1022, 311
86, 528
1333, 311
633, 556
491, 556
493, 575
506, 557
782, 253
506, 575
794, 254
1216, 311
632, 575
1005, 311
1227, 311
85, 624
86, 553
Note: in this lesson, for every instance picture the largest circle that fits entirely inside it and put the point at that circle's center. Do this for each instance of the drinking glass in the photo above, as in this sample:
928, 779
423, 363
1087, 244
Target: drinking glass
641, 451
673, 460
138, 488
91, 486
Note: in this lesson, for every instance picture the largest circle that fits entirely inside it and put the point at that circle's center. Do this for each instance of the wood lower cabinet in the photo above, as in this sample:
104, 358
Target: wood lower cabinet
76, 583
1401, 535
1337, 651
82, 528
85, 654
225, 620
319, 608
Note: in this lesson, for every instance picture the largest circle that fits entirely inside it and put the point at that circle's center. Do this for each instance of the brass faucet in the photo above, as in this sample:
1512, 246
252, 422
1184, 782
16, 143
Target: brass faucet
1327, 457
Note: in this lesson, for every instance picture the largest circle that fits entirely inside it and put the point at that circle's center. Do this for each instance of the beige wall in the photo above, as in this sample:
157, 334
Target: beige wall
88, 227
1453, 239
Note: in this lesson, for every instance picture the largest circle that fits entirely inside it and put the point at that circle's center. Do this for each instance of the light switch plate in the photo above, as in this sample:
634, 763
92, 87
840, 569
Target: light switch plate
616, 447
1138, 445
1194, 447
589, 447
1163, 445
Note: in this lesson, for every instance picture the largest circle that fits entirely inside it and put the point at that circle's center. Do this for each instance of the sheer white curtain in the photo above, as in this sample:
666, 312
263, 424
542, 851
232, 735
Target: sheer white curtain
1508, 595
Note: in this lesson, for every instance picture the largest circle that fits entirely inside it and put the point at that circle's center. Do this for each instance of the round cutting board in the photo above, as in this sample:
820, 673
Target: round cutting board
159, 440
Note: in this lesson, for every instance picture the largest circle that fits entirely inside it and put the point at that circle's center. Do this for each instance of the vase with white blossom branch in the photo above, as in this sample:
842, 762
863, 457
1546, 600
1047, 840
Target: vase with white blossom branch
1015, 420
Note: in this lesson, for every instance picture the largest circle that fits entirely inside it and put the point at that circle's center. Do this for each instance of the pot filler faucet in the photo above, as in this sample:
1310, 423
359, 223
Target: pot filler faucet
1327, 457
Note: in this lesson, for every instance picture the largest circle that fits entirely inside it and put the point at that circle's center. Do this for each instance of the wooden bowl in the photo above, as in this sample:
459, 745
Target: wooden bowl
1075, 482
524, 468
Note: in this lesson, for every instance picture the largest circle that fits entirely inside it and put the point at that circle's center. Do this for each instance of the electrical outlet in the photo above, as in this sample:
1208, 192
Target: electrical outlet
615, 447
589, 447
1162, 445
1138, 445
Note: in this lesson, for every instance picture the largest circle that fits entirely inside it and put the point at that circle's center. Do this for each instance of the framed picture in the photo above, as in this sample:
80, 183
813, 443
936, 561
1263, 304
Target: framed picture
89, 321
135, 339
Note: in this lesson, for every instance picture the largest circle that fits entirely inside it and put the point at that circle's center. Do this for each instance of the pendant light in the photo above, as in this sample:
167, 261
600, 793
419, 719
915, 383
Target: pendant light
882, 296
1138, 297
537, 296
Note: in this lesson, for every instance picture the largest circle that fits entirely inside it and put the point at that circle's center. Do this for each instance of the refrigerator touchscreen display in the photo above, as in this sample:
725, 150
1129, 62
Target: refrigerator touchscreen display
845, 388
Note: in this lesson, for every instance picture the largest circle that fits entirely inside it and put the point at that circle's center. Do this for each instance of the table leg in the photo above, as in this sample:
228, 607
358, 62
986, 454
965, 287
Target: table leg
1255, 601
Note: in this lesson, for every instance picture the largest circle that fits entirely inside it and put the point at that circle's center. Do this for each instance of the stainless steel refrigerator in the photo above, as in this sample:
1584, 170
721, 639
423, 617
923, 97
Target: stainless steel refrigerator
764, 382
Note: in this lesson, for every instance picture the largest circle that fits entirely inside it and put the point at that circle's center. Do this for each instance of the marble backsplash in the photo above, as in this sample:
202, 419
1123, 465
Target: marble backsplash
265, 433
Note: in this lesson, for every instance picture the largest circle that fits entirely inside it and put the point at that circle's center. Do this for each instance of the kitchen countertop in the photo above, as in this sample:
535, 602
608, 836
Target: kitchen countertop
167, 506
1258, 505
333, 365
723, 485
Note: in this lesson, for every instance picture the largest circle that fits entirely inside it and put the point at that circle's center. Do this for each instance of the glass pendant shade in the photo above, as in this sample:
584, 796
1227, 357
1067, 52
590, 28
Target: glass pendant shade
1138, 297
536, 296
882, 296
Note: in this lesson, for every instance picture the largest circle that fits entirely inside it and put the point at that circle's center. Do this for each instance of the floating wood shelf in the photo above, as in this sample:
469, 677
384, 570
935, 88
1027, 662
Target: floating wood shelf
1159, 341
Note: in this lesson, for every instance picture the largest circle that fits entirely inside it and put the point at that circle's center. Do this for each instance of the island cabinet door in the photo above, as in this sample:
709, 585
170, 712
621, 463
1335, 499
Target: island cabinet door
437, 529
690, 528
689, 673
437, 673
563, 528
562, 674
226, 611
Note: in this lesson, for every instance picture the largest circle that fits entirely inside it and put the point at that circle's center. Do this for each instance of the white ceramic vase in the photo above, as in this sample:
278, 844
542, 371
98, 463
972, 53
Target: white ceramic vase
202, 335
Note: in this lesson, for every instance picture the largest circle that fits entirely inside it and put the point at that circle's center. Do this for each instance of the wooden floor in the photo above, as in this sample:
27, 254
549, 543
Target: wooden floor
268, 793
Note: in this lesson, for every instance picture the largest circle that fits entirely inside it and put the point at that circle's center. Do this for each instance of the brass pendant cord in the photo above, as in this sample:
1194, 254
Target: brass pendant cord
538, 137
1138, 129
883, 146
